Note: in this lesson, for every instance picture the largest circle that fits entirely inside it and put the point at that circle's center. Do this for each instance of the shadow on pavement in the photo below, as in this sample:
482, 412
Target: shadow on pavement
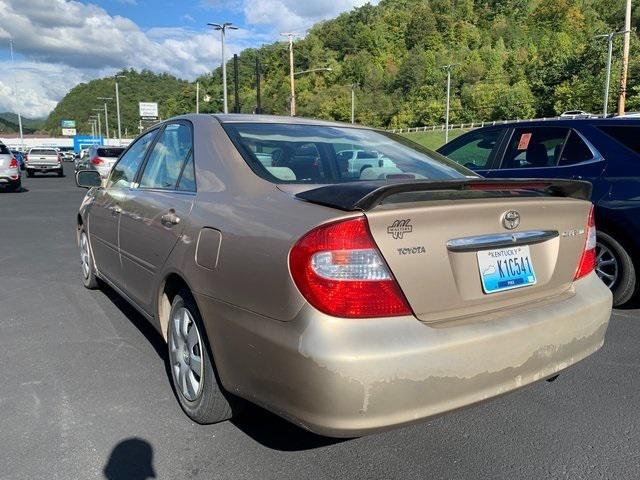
131, 459
277, 433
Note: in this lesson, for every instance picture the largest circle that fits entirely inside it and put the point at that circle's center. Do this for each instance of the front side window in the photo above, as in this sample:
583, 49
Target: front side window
535, 147
123, 173
474, 149
291, 153
167, 158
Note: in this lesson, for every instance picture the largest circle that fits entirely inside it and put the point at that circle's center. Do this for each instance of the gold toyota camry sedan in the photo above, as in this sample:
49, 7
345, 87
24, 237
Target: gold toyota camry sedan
344, 278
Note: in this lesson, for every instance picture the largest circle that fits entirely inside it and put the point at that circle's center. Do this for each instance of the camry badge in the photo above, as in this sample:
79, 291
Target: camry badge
510, 219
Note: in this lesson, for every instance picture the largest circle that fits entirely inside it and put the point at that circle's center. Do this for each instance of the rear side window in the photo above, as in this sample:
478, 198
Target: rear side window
4, 150
535, 147
321, 154
474, 149
169, 154
110, 152
574, 151
629, 136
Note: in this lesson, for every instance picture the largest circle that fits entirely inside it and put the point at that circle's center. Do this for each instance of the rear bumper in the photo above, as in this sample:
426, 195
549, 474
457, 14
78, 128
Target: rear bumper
346, 378
44, 167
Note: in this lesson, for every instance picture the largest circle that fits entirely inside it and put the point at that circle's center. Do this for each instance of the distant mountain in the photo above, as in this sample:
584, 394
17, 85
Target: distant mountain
32, 124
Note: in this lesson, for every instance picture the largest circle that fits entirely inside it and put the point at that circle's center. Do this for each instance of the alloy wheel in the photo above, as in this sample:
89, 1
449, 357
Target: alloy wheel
606, 265
185, 351
84, 255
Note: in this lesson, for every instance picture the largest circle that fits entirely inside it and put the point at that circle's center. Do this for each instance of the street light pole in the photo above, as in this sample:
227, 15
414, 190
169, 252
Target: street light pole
607, 80
15, 92
106, 113
353, 102
292, 109
222, 27
197, 97
99, 110
447, 68
118, 107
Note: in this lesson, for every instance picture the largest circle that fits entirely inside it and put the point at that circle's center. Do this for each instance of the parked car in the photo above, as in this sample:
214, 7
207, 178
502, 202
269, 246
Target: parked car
606, 152
345, 305
68, 156
102, 158
43, 160
10, 176
355, 161
19, 157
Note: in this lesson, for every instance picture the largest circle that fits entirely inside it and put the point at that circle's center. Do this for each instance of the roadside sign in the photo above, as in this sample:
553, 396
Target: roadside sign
68, 124
148, 110
82, 141
69, 132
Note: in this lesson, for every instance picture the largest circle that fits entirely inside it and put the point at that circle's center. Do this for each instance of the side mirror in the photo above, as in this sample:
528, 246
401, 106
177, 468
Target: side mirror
88, 179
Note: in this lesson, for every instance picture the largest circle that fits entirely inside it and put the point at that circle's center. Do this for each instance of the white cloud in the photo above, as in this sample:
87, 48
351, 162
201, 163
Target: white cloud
62, 42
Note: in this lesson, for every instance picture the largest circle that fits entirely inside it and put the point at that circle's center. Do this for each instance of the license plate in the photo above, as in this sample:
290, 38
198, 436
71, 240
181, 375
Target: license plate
506, 269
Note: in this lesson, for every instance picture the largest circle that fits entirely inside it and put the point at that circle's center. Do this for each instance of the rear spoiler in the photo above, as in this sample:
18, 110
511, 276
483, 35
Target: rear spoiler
354, 196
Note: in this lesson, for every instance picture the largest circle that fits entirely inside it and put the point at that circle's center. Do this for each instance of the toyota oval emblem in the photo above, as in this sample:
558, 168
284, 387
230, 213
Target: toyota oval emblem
510, 219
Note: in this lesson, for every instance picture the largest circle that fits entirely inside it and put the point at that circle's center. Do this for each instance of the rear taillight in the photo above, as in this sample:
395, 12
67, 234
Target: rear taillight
588, 258
97, 161
13, 163
340, 271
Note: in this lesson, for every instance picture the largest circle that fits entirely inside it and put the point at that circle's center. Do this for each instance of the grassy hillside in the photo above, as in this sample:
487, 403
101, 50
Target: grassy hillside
31, 124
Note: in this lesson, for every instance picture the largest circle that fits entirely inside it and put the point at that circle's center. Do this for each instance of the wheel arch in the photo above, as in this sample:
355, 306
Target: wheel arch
169, 287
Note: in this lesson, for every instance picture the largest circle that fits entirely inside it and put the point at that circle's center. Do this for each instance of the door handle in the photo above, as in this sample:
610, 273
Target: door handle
115, 210
170, 219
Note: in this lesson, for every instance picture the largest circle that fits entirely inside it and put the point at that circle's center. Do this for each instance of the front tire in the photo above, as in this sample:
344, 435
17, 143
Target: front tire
615, 268
89, 278
192, 369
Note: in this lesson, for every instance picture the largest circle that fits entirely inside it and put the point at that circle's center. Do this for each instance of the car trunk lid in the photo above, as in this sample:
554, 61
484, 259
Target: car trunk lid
439, 242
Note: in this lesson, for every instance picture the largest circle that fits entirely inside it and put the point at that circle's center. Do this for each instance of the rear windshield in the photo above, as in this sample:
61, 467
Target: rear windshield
629, 136
110, 152
286, 153
4, 150
42, 151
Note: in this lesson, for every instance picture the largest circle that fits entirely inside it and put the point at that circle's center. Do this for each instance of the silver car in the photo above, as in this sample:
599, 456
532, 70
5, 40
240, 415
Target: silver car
43, 160
103, 158
10, 177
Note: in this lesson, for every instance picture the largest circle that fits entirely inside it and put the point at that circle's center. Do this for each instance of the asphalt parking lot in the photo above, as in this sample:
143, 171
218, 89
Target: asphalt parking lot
84, 392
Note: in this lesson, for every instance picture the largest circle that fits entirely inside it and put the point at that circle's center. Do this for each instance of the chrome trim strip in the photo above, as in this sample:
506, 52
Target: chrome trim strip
498, 240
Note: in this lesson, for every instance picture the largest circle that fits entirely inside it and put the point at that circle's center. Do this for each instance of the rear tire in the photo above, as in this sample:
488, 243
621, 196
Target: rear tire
29, 173
615, 268
14, 187
61, 173
89, 278
193, 373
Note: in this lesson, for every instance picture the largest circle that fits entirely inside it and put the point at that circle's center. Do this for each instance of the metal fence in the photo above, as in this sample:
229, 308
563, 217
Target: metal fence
472, 125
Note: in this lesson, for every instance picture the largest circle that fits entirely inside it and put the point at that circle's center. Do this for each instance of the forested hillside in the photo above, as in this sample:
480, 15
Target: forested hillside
135, 87
514, 59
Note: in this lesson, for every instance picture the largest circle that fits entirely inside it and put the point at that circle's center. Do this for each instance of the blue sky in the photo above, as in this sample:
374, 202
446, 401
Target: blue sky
77, 41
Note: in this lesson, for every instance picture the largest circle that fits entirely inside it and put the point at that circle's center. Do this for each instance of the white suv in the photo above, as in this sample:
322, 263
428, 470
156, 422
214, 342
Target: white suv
9, 170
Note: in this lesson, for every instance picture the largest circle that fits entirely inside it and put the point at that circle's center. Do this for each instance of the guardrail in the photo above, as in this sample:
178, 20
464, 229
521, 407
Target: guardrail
479, 124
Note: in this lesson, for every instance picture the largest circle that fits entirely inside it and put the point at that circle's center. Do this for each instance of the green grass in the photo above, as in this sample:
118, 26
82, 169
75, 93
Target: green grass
433, 140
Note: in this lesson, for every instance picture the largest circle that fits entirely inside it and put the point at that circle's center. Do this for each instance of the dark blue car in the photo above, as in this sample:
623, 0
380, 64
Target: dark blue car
19, 157
605, 152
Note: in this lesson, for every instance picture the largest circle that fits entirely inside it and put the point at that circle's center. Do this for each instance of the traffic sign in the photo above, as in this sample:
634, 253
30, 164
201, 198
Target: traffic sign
148, 110
69, 132
68, 124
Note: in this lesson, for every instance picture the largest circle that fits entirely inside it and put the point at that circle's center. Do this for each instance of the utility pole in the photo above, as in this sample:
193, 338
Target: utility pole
15, 92
99, 111
223, 27
447, 68
258, 100
236, 80
93, 128
197, 97
625, 60
607, 80
290, 35
118, 107
106, 113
